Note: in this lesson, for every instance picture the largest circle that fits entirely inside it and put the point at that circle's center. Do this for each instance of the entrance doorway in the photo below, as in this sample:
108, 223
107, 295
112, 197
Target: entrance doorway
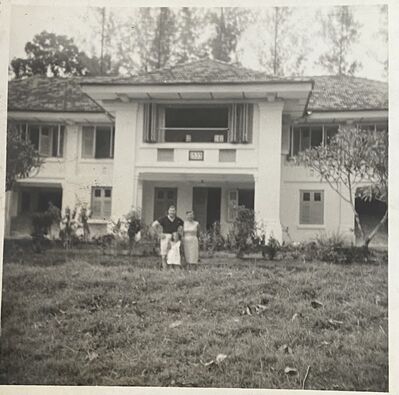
164, 197
206, 205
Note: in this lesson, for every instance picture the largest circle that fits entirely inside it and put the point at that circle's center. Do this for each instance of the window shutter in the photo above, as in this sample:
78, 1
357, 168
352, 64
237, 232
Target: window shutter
232, 124
240, 123
316, 216
150, 122
311, 210
232, 205
88, 142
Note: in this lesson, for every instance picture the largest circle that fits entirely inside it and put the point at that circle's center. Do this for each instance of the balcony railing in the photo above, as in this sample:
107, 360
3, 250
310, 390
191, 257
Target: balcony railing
193, 135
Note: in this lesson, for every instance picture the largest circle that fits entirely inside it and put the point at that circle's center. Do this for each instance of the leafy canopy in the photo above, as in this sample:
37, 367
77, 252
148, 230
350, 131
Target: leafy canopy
353, 163
22, 157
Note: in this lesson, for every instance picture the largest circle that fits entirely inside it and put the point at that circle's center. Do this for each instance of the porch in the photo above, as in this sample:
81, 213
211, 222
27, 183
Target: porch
26, 199
213, 197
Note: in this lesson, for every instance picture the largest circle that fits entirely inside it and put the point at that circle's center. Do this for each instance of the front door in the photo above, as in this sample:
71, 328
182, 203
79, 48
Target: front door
164, 197
206, 206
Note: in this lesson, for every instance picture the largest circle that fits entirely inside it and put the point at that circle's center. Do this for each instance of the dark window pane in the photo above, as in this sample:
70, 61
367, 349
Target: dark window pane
246, 198
317, 197
331, 131
170, 194
296, 132
33, 132
160, 195
305, 138
55, 141
306, 196
97, 192
382, 127
61, 137
103, 142
317, 136
107, 193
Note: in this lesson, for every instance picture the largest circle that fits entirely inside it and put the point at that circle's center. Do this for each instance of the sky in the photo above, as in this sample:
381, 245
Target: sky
78, 22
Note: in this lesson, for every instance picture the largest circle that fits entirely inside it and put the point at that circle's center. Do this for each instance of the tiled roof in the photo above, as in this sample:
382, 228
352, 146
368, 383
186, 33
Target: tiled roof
49, 94
330, 93
205, 71
345, 93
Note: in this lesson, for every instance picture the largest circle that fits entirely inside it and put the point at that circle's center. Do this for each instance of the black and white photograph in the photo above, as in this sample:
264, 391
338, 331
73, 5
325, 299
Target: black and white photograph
196, 196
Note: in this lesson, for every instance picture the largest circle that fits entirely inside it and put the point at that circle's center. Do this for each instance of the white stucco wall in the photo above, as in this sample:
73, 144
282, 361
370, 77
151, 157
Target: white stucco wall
338, 215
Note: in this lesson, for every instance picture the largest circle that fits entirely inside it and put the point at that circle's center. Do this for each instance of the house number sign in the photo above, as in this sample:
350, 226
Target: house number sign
196, 155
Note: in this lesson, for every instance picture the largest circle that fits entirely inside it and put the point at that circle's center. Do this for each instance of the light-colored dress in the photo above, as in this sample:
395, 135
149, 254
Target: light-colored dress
190, 241
173, 255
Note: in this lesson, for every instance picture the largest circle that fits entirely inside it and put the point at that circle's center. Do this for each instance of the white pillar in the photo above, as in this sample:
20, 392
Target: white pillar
124, 184
268, 180
139, 194
71, 155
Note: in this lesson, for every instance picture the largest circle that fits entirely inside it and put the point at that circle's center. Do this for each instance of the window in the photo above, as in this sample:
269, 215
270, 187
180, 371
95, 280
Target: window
98, 142
311, 208
204, 124
304, 137
237, 198
47, 139
101, 202
307, 136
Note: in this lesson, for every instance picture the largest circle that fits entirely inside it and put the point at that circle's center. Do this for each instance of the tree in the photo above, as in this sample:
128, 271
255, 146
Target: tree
188, 24
354, 162
22, 157
341, 31
281, 50
164, 37
228, 23
383, 33
49, 54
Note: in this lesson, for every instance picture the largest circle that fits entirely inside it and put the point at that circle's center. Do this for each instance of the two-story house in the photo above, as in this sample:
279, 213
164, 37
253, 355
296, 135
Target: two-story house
205, 135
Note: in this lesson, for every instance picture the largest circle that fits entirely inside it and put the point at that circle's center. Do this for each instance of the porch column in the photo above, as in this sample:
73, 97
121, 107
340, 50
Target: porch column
124, 183
139, 194
71, 157
268, 179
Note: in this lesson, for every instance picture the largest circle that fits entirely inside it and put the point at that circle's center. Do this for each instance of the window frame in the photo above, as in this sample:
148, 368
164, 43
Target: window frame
59, 128
312, 193
111, 144
324, 127
101, 199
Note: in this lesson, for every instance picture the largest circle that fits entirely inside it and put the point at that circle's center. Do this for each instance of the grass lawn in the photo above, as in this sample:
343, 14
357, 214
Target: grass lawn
97, 320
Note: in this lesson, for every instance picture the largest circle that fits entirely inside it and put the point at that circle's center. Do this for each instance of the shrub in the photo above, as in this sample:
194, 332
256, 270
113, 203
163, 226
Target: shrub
41, 224
243, 234
271, 248
74, 225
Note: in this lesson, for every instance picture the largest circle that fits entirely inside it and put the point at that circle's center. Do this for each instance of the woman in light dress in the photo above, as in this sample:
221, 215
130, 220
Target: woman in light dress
190, 238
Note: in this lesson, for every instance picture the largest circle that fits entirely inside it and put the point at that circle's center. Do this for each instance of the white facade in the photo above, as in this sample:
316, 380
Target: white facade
139, 175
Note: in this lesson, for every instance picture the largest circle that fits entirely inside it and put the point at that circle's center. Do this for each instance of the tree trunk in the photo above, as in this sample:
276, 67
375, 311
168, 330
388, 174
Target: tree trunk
376, 229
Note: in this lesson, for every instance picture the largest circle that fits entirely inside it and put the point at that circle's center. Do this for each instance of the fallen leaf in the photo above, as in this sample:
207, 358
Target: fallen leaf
247, 311
335, 323
175, 324
285, 349
290, 371
260, 308
208, 363
316, 304
220, 358
92, 355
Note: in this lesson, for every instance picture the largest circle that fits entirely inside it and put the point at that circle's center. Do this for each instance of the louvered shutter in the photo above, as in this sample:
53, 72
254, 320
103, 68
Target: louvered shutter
240, 123
232, 124
150, 124
305, 207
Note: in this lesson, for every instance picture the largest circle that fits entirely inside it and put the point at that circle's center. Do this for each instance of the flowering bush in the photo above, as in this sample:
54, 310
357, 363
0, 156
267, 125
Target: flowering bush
74, 225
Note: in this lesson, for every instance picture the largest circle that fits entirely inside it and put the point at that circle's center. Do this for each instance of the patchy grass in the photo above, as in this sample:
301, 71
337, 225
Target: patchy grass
119, 321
